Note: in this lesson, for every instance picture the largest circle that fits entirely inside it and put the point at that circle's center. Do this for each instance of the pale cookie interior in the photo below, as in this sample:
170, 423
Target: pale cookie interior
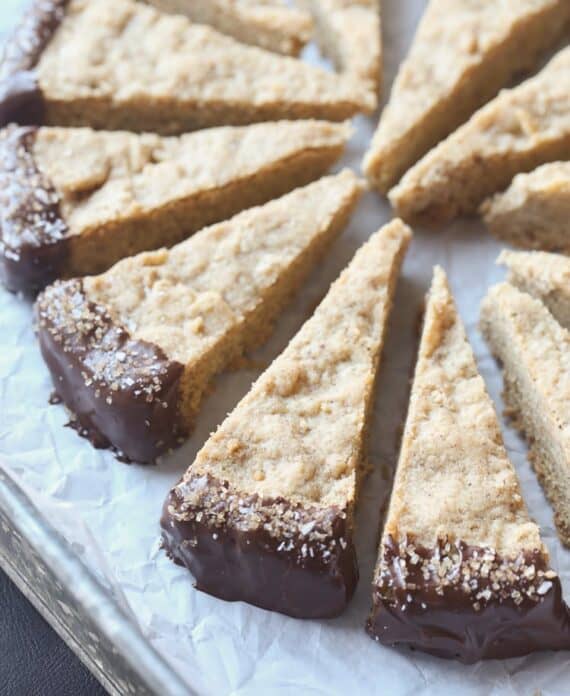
454, 479
269, 24
545, 276
461, 55
208, 299
535, 352
349, 32
301, 430
522, 128
123, 64
534, 212
122, 193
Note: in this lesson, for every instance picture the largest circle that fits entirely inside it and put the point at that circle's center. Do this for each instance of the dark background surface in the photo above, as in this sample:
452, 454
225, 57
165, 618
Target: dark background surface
33, 659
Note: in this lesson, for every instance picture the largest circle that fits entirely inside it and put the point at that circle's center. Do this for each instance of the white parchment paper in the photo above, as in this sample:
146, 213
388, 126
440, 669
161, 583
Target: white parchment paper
110, 510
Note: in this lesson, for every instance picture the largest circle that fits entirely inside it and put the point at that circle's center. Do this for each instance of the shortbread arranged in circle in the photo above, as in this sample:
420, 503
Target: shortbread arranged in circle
132, 351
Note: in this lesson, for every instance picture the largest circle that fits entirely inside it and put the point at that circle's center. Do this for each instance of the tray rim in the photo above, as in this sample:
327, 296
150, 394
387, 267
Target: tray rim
20, 516
148, 671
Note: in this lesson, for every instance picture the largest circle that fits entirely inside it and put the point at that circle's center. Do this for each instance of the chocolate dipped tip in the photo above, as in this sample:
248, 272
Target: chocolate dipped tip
21, 99
467, 603
123, 392
33, 234
269, 552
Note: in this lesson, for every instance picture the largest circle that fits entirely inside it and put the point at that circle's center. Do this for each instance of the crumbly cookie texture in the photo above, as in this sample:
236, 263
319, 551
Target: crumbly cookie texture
544, 276
280, 475
535, 352
449, 474
461, 55
349, 33
519, 130
269, 24
119, 193
200, 304
534, 212
123, 64
461, 564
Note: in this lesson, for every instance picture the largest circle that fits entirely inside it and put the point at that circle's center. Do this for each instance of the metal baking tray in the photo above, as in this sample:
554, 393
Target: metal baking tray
84, 613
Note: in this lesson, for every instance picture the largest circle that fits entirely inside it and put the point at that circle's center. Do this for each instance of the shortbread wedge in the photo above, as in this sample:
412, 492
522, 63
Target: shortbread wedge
132, 351
121, 64
521, 129
269, 24
534, 350
534, 212
75, 201
545, 276
462, 571
462, 54
349, 33
265, 514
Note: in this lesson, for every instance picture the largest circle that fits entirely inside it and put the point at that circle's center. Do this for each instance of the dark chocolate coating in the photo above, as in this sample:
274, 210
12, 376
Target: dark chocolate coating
21, 99
515, 620
33, 235
289, 574
123, 392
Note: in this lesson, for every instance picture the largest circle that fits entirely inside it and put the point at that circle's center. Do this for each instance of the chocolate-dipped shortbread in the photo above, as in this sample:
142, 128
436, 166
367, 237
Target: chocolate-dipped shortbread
121, 64
75, 201
133, 350
123, 392
33, 233
462, 571
265, 514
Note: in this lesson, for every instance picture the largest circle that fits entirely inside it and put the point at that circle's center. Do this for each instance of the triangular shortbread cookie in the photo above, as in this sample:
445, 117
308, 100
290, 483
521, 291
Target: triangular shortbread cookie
522, 128
75, 201
349, 32
535, 352
133, 350
265, 512
121, 64
462, 54
534, 212
545, 276
462, 571
269, 24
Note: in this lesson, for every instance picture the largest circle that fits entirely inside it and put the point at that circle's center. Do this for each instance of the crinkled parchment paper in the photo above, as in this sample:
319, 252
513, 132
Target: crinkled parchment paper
110, 511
